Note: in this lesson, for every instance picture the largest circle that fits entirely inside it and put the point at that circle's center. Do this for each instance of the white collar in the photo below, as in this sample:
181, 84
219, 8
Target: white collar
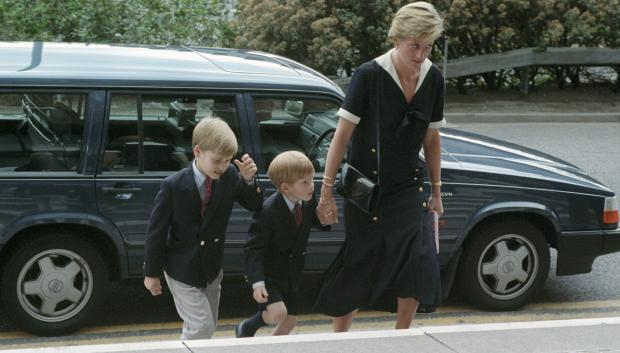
289, 203
385, 61
199, 177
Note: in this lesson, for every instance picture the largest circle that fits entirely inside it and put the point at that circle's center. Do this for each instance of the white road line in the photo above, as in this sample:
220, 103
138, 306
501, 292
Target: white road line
231, 342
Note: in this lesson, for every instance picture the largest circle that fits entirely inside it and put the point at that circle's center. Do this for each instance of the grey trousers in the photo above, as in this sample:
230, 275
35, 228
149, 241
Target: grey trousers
198, 307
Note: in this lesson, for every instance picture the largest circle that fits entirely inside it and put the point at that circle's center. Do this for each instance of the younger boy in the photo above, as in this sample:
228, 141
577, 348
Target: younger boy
276, 249
187, 228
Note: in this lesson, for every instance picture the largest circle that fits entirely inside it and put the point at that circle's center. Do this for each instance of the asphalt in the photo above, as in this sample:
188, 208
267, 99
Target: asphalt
531, 117
553, 107
557, 336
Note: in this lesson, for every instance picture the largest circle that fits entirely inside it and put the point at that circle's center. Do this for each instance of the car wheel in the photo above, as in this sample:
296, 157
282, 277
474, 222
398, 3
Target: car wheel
503, 265
52, 284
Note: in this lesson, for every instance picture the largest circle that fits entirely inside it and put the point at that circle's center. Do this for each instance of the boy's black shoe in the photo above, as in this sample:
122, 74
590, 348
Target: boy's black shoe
248, 327
244, 330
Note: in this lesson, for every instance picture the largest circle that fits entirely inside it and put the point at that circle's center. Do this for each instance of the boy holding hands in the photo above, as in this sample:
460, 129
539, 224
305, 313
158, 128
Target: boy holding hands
276, 249
187, 227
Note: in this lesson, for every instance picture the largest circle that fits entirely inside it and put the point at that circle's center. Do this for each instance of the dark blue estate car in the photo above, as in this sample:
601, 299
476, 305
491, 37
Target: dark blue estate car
88, 131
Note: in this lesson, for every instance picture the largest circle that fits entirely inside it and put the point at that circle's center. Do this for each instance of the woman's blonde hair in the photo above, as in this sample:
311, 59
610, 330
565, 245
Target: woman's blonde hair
418, 20
289, 167
213, 134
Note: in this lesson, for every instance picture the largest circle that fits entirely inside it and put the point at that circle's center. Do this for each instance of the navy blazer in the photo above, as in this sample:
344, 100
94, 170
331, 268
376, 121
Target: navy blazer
178, 240
276, 247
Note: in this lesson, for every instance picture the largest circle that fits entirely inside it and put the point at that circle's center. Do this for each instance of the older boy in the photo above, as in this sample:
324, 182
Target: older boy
187, 227
276, 249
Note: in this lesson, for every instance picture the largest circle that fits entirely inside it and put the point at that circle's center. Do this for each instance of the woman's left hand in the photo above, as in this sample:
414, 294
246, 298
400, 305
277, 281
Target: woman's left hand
435, 205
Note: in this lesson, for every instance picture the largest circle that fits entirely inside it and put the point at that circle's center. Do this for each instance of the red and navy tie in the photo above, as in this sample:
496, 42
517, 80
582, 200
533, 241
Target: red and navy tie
205, 202
298, 215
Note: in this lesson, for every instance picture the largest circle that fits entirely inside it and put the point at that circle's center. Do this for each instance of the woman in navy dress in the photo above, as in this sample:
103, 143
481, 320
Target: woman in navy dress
388, 260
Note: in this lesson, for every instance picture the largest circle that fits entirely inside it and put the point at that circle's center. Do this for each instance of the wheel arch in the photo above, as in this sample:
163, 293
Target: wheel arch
537, 214
95, 230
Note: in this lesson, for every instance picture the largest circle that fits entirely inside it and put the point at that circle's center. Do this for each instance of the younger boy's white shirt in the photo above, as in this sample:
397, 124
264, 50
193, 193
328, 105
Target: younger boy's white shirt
290, 205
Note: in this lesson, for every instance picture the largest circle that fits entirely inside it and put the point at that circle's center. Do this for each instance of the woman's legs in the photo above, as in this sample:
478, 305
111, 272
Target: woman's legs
406, 310
343, 323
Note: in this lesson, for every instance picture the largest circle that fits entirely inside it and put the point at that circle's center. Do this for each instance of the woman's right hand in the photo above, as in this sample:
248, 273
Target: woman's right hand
327, 210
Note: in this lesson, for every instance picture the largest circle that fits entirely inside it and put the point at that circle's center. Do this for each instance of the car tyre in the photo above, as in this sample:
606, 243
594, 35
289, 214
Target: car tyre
53, 284
503, 265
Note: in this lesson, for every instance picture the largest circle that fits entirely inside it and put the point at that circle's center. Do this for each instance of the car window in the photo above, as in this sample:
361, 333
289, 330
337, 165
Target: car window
153, 133
301, 124
41, 131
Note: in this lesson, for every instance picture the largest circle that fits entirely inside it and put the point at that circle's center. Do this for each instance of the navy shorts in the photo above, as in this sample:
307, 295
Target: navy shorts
289, 297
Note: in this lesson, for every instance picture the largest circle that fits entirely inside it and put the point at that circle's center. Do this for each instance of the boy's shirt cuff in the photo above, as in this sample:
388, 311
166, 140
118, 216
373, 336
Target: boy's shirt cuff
251, 182
258, 284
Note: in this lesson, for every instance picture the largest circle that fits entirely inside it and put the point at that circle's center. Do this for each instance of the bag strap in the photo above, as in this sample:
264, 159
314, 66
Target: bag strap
378, 127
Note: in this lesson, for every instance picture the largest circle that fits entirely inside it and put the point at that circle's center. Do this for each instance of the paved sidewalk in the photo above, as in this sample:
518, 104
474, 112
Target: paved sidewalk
558, 336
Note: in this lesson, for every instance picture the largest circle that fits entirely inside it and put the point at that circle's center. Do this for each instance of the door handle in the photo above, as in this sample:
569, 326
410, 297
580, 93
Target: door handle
120, 190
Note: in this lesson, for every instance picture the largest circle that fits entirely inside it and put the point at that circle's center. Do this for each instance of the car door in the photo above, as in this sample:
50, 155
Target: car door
148, 136
305, 123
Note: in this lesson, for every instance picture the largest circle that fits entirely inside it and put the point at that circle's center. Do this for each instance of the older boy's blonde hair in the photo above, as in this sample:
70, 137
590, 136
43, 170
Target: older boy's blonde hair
289, 167
215, 135
418, 20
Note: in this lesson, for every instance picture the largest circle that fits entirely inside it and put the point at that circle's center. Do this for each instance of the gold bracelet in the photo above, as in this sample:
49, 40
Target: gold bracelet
328, 178
327, 184
437, 183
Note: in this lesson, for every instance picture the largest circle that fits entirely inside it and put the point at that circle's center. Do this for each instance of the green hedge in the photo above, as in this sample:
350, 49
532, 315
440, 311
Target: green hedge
333, 36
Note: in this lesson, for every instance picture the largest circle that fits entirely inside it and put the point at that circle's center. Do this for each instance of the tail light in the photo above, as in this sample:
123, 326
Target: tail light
610, 212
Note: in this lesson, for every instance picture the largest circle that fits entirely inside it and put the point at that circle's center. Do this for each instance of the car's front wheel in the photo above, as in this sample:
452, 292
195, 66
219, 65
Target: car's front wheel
53, 283
503, 265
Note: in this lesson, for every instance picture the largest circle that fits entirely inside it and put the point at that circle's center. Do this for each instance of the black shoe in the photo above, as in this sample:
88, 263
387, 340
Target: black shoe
243, 330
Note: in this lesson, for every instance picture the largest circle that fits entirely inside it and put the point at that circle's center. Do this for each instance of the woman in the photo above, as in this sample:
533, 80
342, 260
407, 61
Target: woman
385, 262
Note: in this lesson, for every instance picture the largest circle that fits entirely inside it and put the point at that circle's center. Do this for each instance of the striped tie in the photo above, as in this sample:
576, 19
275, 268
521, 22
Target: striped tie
298, 215
205, 202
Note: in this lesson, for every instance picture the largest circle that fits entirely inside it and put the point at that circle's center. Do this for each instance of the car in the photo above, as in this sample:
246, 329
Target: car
89, 131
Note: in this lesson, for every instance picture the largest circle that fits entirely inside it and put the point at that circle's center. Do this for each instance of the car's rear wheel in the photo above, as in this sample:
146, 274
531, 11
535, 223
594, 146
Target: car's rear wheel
503, 265
52, 284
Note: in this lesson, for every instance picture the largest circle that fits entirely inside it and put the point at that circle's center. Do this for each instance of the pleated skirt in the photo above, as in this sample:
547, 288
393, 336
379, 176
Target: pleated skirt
385, 258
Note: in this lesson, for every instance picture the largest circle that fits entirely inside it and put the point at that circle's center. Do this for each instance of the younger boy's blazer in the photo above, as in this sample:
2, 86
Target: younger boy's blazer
189, 248
276, 248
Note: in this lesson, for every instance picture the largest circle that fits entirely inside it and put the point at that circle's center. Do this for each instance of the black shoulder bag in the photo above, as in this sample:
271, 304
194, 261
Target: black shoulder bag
360, 190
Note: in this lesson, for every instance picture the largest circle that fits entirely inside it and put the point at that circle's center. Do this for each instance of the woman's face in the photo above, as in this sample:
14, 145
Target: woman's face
412, 53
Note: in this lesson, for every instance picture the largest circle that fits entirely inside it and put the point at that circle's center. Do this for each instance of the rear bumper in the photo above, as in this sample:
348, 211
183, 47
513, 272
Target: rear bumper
577, 250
